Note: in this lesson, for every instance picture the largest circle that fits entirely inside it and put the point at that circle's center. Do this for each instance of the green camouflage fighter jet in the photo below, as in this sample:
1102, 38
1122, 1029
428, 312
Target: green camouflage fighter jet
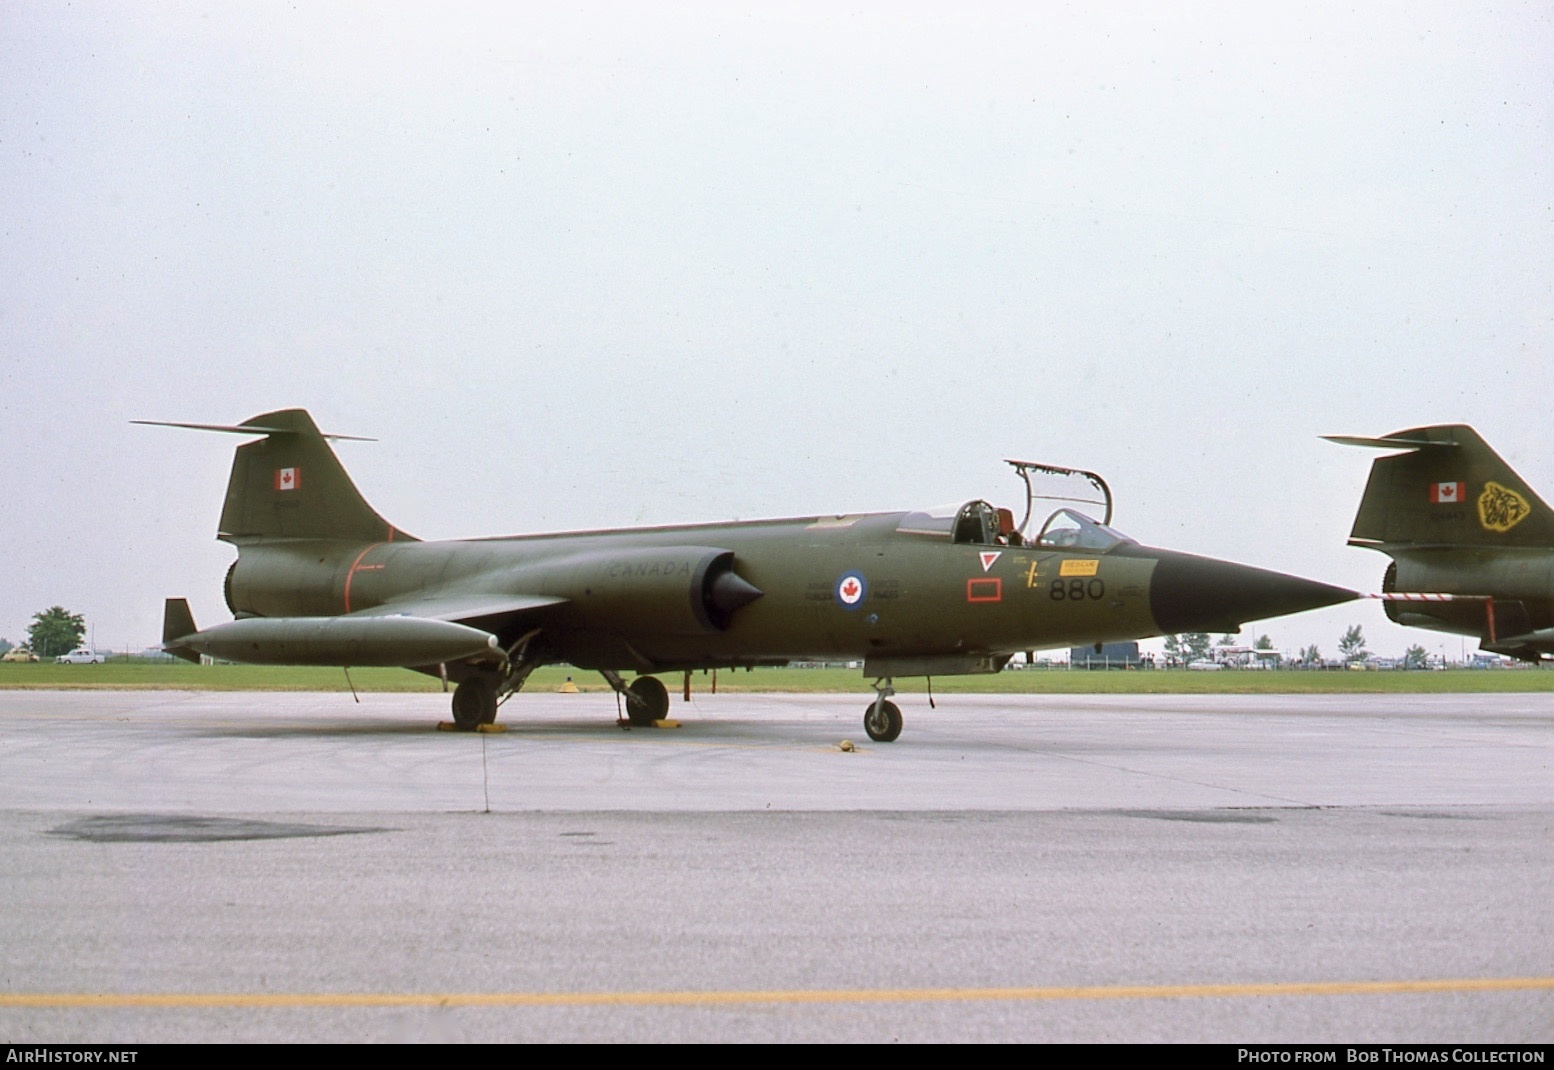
1472, 546
322, 579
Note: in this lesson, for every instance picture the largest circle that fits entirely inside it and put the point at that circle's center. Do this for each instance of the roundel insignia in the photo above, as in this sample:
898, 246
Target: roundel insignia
850, 589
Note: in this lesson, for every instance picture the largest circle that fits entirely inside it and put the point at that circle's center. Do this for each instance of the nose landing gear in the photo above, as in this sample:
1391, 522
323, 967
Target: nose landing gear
882, 720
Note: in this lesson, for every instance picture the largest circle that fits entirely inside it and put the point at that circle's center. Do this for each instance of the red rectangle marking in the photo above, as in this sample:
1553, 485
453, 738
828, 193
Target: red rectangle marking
985, 589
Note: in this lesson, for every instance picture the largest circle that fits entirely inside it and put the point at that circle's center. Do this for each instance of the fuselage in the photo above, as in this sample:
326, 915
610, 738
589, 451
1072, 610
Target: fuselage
1500, 593
848, 587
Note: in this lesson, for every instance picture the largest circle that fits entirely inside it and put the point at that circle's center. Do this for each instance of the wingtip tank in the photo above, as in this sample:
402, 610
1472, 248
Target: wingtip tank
357, 641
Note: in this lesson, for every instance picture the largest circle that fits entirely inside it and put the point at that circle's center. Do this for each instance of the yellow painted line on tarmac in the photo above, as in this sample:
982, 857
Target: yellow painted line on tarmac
256, 1000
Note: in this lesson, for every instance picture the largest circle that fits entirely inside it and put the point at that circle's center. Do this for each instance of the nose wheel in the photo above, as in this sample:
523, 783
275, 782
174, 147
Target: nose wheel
882, 720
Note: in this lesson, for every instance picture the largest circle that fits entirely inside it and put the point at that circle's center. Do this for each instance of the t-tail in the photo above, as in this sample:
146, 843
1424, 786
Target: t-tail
1448, 489
290, 485
297, 520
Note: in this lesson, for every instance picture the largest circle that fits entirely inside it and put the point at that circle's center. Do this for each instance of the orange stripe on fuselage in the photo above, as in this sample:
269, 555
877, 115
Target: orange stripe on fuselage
351, 574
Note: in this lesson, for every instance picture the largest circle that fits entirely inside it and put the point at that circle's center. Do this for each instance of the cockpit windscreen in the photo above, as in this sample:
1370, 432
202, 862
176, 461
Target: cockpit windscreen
1067, 529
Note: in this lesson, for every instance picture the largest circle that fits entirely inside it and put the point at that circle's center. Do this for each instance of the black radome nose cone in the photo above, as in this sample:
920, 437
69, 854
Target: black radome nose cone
1201, 594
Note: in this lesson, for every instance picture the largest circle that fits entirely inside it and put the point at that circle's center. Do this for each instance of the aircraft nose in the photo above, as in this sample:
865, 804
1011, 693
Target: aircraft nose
1201, 594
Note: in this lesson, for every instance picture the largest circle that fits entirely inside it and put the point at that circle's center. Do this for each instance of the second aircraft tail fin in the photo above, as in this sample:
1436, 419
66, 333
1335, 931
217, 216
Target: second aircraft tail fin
1448, 489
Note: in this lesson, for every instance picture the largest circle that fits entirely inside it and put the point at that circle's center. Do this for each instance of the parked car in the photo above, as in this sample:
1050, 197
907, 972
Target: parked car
81, 655
18, 653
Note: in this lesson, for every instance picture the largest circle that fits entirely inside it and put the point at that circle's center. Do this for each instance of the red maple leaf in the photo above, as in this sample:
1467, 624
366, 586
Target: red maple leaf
850, 588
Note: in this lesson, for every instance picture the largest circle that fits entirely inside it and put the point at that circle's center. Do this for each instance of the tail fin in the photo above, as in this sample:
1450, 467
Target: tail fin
291, 485
1449, 489
178, 623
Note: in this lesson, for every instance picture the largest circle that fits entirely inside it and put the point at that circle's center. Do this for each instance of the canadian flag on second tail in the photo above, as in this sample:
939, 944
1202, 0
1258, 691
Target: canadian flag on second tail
288, 478
1445, 493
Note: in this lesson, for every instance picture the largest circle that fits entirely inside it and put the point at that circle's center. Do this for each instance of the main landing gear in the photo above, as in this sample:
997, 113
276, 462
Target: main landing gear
476, 698
474, 702
882, 720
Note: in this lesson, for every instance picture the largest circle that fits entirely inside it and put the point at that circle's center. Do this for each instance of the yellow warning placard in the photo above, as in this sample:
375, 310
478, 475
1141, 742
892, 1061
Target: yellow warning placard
1079, 566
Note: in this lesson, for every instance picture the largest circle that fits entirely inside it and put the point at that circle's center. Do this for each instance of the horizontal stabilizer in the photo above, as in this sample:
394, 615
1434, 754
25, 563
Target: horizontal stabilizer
248, 429
1388, 442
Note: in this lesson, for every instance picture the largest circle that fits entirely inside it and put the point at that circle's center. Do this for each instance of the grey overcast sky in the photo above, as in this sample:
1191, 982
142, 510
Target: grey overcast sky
611, 264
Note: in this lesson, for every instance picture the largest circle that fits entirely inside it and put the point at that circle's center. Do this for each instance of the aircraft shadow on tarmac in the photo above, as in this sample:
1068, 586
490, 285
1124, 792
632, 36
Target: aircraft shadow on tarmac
191, 828
776, 732
311, 729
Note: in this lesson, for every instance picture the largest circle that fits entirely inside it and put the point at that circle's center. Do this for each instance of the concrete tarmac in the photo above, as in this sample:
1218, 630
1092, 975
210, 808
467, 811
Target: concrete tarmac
1247, 869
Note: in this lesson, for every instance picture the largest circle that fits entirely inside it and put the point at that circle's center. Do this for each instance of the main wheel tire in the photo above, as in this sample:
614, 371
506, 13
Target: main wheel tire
882, 721
654, 705
474, 703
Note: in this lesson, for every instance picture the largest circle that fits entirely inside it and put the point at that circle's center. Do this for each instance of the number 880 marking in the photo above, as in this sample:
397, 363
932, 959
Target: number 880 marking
1076, 590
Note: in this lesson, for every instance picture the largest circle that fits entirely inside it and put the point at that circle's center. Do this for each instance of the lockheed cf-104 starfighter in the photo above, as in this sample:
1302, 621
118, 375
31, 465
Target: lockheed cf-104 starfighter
322, 579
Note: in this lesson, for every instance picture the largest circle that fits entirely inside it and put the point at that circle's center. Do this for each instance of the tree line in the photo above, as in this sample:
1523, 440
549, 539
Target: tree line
54, 631
1195, 646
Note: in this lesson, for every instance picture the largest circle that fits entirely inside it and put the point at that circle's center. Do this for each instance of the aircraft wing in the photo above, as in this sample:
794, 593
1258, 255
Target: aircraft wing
462, 608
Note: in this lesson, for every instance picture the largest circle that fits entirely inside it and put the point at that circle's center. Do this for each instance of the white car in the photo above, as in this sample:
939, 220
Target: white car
81, 656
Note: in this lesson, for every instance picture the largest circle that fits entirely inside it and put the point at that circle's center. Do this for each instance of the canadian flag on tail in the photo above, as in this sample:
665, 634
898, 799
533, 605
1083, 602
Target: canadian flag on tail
1445, 493
288, 478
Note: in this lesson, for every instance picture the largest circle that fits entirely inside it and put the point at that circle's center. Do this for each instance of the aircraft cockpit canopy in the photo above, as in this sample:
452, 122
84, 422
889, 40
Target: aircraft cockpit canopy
1068, 529
976, 523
